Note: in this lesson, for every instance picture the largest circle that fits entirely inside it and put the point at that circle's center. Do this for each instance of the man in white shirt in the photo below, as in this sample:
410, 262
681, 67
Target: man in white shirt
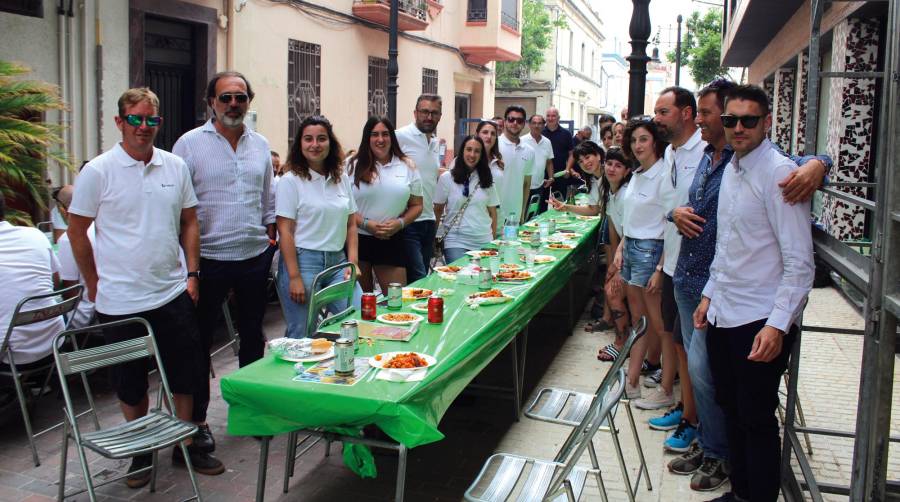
759, 281
231, 170
542, 170
68, 268
518, 162
419, 143
142, 204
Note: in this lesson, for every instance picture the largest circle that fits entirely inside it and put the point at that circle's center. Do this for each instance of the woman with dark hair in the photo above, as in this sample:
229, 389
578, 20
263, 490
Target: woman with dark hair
590, 157
618, 134
639, 257
388, 190
488, 131
469, 195
316, 217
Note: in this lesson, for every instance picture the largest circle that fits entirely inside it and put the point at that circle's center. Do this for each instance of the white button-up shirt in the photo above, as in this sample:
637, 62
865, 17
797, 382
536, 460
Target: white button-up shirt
763, 267
643, 207
682, 165
234, 188
137, 212
543, 151
426, 155
518, 161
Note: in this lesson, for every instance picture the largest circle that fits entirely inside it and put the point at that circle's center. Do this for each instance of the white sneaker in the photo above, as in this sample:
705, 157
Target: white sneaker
653, 380
658, 399
632, 392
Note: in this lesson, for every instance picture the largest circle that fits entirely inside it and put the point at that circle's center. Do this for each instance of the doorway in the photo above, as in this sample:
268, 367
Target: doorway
461, 113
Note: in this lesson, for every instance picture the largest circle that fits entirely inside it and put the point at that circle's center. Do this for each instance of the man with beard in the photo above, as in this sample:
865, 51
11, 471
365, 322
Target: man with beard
418, 142
231, 170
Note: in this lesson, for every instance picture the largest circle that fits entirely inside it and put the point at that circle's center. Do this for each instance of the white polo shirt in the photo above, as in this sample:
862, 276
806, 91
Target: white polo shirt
387, 196
685, 159
68, 271
473, 229
644, 210
319, 207
543, 151
27, 265
137, 213
426, 156
518, 162
615, 208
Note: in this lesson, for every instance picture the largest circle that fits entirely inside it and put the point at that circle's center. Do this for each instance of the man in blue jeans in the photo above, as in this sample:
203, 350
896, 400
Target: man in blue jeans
707, 462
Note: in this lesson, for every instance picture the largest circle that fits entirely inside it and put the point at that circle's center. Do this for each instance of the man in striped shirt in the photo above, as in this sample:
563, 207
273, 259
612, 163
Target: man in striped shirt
231, 169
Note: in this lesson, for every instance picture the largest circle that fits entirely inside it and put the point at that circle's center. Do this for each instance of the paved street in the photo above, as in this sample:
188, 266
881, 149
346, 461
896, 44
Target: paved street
474, 426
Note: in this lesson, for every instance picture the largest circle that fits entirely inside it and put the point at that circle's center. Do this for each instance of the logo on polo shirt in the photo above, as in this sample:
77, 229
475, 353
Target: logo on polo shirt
167, 185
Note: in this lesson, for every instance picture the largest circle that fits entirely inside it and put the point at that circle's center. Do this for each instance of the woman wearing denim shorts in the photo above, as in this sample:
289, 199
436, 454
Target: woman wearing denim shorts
640, 254
316, 217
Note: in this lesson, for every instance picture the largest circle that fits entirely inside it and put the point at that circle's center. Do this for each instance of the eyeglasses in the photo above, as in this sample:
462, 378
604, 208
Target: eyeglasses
137, 120
228, 96
748, 121
516, 120
430, 113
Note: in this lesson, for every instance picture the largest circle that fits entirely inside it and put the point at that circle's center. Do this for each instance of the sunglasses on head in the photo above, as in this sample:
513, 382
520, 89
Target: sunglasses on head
228, 96
137, 120
748, 121
516, 120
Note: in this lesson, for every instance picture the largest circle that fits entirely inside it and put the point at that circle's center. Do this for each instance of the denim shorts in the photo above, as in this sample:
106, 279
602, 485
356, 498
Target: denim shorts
639, 260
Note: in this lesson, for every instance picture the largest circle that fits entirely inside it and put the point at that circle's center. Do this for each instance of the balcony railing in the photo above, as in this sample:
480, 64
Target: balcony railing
477, 11
509, 20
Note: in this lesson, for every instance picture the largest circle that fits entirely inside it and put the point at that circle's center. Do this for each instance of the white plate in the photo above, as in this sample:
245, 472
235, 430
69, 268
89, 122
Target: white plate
478, 253
500, 242
446, 269
541, 258
420, 307
387, 356
531, 224
381, 318
488, 301
587, 218
406, 294
509, 266
315, 357
569, 244
518, 279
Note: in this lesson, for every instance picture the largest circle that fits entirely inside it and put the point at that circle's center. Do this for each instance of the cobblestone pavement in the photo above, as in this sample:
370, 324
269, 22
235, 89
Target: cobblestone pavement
474, 426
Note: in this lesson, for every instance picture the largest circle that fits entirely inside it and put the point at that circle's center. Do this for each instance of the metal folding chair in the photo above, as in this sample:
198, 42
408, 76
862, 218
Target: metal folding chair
23, 316
567, 407
234, 340
149, 434
507, 476
534, 205
321, 295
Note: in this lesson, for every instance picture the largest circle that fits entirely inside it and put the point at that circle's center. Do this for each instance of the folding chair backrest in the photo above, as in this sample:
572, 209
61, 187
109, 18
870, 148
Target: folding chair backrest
322, 294
23, 317
584, 433
534, 205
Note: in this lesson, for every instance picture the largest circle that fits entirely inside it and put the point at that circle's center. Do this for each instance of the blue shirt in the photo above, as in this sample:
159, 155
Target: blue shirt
692, 269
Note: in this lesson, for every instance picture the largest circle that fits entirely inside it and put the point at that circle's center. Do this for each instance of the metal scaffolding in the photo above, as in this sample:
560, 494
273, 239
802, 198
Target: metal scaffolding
876, 275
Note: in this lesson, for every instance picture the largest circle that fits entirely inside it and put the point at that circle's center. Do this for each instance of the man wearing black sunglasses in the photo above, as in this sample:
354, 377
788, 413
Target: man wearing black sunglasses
231, 169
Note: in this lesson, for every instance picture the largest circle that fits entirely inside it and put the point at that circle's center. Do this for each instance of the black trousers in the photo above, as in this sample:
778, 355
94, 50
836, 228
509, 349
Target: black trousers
747, 391
248, 279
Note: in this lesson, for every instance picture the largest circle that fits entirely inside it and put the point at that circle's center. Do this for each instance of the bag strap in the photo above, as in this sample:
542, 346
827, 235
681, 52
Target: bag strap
458, 215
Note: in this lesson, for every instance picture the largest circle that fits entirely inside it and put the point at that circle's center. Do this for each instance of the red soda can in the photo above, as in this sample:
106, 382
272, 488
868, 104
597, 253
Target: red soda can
369, 309
435, 309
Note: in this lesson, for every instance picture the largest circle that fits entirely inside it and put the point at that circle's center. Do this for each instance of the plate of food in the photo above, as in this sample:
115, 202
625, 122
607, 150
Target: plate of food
541, 258
448, 269
489, 297
560, 245
415, 294
566, 232
510, 266
501, 242
514, 275
587, 218
402, 361
302, 350
531, 224
526, 233
399, 318
482, 253
420, 307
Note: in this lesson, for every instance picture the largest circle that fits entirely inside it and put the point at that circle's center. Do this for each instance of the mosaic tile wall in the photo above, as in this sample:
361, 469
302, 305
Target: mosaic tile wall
769, 86
851, 122
783, 108
798, 145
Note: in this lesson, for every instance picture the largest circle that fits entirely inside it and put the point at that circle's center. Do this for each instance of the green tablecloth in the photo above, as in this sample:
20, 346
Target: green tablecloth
263, 399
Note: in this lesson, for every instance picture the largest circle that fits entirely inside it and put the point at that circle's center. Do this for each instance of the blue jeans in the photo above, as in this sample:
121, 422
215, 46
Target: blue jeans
712, 434
311, 263
641, 256
418, 240
453, 254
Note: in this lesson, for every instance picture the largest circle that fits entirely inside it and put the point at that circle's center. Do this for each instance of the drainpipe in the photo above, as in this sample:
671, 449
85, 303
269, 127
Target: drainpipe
85, 148
73, 100
229, 35
98, 62
63, 88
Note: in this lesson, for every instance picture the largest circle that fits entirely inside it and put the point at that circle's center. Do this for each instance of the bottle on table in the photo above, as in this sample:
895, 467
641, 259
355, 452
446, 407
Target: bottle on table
510, 227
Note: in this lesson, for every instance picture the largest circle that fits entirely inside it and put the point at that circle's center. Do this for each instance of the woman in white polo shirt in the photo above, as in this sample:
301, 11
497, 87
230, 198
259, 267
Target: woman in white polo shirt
469, 195
589, 157
315, 213
488, 131
639, 256
388, 191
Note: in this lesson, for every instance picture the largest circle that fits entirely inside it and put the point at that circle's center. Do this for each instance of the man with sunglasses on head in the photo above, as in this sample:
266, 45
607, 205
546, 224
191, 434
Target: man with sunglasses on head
231, 170
142, 204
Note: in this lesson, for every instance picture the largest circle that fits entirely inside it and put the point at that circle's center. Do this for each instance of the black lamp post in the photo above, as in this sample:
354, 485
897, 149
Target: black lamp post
678, 54
639, 29
393, 68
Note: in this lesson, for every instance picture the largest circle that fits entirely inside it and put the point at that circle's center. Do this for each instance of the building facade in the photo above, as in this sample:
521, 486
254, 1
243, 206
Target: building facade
302, 57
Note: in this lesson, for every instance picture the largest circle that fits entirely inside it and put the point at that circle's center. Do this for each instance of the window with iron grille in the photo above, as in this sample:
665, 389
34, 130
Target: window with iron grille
304, 92
509, 14
33, 8
477, 10
377, 86
429, 81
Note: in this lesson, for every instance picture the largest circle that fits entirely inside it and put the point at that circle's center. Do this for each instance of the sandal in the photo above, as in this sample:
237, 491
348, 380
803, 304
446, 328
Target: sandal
608, 354
598, 325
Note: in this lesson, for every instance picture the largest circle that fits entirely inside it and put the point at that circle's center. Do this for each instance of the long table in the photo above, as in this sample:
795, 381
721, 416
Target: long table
265, 401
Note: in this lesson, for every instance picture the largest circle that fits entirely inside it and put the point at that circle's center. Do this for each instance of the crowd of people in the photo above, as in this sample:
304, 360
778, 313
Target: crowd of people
169, 236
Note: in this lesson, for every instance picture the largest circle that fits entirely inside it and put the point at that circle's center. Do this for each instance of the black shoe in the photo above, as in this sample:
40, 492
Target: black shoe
728, 497
142, 478
203, 463
203, 440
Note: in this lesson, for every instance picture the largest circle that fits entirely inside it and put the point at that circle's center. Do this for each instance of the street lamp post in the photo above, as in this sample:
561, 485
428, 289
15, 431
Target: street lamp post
678, 54
639, 29
392, 69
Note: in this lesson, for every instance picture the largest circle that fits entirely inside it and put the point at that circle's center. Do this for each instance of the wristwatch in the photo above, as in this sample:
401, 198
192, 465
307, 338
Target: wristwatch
195, 273
670, 216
